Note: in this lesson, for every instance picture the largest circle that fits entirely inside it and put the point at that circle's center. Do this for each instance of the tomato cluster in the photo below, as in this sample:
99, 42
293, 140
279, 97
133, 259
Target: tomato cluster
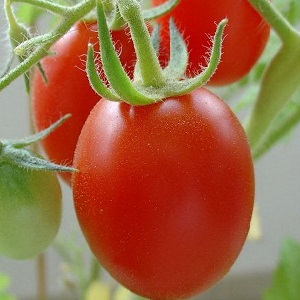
164, 192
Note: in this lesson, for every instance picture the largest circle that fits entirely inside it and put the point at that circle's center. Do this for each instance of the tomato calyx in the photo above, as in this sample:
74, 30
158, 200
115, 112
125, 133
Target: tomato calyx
14, 151
151, 82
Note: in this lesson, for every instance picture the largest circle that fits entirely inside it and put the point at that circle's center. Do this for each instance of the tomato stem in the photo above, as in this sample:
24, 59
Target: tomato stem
151, 72
54, 8
17, 34
280, 81
112, 66
279, 23
289, 117
72, 14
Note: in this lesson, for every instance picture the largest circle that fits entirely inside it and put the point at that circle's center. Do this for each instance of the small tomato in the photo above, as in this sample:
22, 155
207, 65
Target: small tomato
30, 210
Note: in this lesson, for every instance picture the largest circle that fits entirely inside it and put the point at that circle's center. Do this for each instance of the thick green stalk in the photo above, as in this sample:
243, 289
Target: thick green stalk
72, 15
17, 34
277, 132
281, 78
54, 8
280, 82
151, 71
277, 21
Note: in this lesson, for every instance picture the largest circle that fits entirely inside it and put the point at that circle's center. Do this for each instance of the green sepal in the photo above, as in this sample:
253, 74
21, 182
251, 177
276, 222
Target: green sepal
178, 54
43, 73
14, 151
155, 38
180, 87
27, 141
27, 159
96, 83
187, 85
155, 12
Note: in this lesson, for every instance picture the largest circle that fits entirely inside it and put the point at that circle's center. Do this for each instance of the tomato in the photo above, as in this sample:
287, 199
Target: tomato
245, 35
164, 192
68, 89
30, 210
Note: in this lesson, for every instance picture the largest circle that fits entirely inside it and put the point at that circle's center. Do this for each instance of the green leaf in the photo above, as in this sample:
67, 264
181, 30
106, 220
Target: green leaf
281, 126
286, 279
178, 54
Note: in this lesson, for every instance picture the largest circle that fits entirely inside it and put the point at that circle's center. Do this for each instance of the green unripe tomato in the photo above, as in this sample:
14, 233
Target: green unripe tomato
30, 210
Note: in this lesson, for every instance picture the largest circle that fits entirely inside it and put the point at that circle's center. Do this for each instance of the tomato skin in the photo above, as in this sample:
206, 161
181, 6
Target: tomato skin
164, 193
246, 35
68, 89
30, 211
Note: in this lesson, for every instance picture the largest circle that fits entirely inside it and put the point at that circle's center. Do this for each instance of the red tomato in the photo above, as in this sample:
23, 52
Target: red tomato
164, 192
245, 35
68, 89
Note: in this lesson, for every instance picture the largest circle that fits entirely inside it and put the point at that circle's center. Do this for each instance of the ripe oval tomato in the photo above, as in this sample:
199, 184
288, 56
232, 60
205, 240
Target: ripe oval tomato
245, 35
30, 210
68, 89
164, 192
